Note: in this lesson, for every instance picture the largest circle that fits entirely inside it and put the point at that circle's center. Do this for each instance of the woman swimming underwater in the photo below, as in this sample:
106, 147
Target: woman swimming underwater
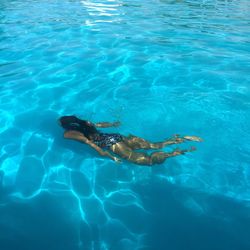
120, 145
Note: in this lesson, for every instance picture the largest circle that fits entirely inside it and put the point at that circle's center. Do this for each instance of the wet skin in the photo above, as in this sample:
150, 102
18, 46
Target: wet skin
126, 148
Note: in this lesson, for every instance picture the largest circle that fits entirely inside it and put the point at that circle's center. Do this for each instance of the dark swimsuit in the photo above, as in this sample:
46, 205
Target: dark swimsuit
105, 140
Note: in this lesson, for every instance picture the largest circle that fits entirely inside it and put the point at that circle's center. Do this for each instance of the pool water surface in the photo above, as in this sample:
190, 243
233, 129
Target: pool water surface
160, 67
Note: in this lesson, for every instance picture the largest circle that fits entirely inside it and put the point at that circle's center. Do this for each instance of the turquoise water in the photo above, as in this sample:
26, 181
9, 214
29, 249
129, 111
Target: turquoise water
161, 68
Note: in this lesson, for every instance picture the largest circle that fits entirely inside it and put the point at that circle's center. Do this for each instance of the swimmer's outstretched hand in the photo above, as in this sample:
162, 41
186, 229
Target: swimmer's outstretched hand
193, 138
107, 124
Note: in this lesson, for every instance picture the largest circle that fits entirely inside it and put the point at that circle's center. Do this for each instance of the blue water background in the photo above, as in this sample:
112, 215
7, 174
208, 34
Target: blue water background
161, 68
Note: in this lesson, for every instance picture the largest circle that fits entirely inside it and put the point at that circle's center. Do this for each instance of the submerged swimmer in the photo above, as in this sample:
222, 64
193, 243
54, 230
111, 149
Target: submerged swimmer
124, 146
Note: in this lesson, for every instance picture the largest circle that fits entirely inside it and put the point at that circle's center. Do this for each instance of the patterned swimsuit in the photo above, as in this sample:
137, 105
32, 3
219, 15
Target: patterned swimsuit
105, 140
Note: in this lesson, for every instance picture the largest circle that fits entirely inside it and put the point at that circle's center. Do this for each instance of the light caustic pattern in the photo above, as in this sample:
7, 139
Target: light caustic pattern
160, 67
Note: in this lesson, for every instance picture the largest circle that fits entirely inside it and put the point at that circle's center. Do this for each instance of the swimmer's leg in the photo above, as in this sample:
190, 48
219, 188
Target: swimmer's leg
135, 142
139, 158
160, 157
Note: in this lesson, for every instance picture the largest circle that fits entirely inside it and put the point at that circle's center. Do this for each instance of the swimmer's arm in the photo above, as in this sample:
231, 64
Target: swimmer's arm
101, 151
75, 135
107, 124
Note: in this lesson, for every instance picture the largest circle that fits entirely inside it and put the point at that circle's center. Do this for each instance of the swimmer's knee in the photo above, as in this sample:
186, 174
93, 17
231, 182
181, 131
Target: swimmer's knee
158, 157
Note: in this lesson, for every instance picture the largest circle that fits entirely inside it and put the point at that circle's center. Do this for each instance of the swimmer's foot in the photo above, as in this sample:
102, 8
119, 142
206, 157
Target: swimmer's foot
176, 139
193, 138
183, 151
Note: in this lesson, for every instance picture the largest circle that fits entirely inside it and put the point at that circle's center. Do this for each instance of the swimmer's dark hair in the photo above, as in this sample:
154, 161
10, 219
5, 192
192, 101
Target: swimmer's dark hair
73, 123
